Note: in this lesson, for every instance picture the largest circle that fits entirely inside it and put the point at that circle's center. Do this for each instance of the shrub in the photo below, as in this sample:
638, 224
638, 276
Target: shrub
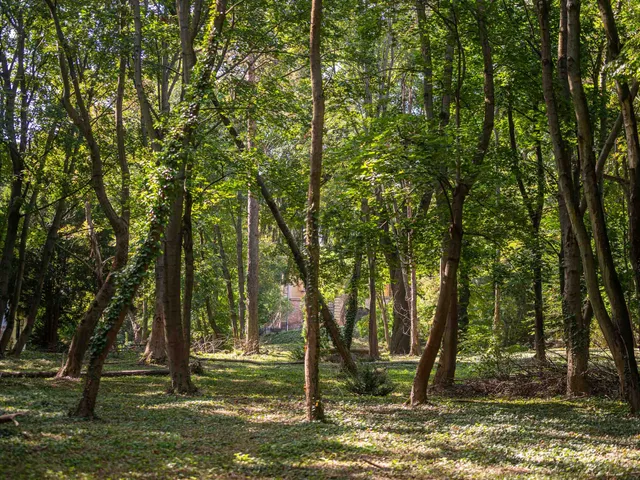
369, 380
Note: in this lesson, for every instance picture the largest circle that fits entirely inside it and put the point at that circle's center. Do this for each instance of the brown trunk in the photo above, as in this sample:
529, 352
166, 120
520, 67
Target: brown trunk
447, 289
460, 192
145, 320
623, 355
227, 280
374, 351
613, 288
51, 316
240, 263
446, 372
47, 254
19, 276
327, 318
156, 349
253, 238
576, 331
187, 245
625, 97
177, 352
315, 409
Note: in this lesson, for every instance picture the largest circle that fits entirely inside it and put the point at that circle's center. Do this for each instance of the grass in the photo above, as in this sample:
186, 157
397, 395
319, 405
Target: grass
248, 422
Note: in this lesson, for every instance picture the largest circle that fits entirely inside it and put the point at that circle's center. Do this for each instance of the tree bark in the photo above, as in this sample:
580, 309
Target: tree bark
315, 410
623, 355
576, 331
252, 344
460, 192
187, 245
240, 264
47, 255
227, 280
446, 371
352, 298
625, 98
156, 349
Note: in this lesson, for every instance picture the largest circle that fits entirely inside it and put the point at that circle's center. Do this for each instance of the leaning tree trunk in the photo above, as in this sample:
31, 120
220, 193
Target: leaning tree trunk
617, 340
327, 318
445, 300
446, 371
460, 192
401, 326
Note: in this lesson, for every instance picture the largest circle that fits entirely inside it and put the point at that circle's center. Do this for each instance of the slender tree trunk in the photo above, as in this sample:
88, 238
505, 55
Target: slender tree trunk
252, 344
145, 320
374, 351
625, 97
187, 239
315, 410
327, 318
352, 298
446, 371
47, 255
240, 263
156, 349
385, 320
576, 332
227, 280
616, 339
460, 192
539, 341
18, 278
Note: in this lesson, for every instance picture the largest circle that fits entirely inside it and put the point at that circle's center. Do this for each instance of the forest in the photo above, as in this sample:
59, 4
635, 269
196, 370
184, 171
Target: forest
319, 239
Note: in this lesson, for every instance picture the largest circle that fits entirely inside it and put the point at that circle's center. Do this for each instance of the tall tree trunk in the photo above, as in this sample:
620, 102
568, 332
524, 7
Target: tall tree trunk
625, 97
616, 339
212, 319
18, 278
576, 331
156, 349
460, 192
446, 371
385, 319
47, 255
187, 239
177, 352
327, 318
240, 263
352, 298
227, 280
252, 344
374, 351
315, 410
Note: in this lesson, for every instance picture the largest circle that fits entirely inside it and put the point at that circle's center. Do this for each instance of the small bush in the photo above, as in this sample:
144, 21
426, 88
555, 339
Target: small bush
369, 381
297, 353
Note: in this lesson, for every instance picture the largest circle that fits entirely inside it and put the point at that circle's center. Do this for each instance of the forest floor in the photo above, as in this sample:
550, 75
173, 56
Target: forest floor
248, 422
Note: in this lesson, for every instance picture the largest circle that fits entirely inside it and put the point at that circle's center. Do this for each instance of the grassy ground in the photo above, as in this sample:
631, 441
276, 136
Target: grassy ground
247, 422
